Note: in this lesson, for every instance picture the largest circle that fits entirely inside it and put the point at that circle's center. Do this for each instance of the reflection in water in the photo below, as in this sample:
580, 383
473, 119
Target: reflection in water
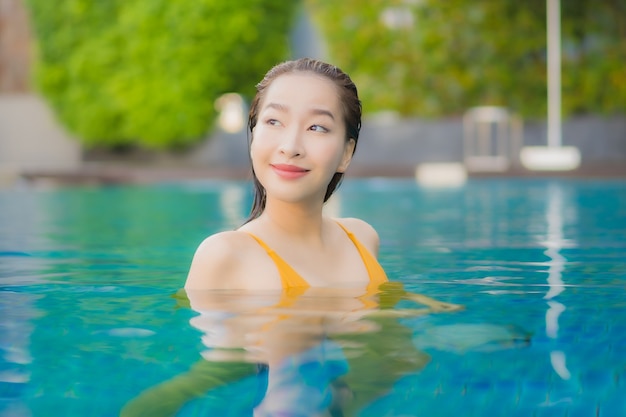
16, 329
481, 337
231, 204
555, 241
308, 352
554, 244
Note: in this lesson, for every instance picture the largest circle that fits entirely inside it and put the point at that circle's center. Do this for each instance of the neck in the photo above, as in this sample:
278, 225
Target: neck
298, 221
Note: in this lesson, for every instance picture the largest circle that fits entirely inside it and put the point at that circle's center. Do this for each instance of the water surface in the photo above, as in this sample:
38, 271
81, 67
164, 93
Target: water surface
91, 317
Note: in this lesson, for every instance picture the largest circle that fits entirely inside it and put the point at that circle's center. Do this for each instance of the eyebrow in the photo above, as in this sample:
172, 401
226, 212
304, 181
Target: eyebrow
315, 111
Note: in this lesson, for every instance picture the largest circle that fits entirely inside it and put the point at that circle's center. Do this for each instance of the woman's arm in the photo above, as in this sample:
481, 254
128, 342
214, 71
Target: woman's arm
166, 398
393, 292
435, 306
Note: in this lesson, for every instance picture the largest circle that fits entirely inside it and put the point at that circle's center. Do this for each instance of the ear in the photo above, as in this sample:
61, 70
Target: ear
348, 151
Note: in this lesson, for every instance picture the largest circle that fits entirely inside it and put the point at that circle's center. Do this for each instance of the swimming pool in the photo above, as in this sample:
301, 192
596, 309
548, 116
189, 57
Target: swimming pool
90, 318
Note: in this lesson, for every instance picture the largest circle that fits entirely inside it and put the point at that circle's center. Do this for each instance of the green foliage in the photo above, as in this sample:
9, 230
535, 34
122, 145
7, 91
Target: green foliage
147, 72
456, 54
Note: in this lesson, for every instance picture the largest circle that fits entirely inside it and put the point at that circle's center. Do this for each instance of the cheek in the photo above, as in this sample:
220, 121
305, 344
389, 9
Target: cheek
260, 153
332, 155
256, 147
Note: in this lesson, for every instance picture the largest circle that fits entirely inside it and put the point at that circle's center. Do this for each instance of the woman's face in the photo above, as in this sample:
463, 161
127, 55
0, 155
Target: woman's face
299, 143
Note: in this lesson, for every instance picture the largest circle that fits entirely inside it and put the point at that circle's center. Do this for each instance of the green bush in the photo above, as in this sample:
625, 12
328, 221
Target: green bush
456, 54
147, 72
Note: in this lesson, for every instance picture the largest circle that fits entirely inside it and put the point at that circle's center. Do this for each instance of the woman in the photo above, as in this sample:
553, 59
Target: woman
305, 282
304, 124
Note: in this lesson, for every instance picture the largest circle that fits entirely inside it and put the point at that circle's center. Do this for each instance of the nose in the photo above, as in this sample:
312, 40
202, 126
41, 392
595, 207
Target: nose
291, 144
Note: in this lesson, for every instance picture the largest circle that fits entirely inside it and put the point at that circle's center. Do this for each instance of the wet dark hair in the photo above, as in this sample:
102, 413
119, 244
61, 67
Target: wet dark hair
351, 105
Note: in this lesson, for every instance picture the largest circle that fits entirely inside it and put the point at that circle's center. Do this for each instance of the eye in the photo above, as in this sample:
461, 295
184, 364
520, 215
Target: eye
318, 128
272, 122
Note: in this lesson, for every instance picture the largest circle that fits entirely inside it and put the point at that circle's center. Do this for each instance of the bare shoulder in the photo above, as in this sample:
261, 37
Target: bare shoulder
217, 262
363, 231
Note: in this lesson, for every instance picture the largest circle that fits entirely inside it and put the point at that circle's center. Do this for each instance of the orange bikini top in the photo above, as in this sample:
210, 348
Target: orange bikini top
291, 279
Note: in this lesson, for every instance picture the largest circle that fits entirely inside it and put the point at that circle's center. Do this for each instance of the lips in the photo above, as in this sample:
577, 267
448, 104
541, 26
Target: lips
289, 171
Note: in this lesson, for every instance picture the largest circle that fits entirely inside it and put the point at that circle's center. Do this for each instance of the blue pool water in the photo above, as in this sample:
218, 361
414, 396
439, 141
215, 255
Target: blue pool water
90, 317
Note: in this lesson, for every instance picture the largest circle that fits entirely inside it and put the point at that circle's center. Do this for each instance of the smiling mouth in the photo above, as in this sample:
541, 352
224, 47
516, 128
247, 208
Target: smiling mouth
289, 168
289, 171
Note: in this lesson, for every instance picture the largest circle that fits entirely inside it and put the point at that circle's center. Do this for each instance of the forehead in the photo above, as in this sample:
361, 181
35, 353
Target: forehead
303, 90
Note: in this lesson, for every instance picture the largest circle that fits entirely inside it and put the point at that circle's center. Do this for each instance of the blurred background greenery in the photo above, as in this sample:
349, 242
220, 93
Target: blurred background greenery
147, 72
